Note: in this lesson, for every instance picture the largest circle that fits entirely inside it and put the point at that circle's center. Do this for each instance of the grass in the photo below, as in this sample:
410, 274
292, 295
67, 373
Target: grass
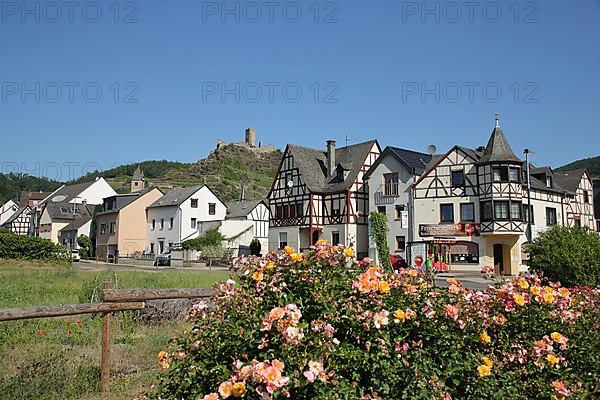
59, 358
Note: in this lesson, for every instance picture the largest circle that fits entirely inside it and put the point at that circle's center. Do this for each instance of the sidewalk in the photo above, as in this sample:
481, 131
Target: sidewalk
200, 267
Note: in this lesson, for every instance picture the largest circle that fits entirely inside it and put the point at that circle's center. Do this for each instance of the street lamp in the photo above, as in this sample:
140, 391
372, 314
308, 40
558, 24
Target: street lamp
529, 210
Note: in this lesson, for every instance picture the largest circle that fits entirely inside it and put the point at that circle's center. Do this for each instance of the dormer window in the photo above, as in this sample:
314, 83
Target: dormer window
548, 181
340, 175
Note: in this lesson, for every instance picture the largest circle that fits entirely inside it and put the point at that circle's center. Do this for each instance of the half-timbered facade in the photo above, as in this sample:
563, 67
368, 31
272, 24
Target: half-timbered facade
246, 220
7, 210
471, 206
321, 195
19, 221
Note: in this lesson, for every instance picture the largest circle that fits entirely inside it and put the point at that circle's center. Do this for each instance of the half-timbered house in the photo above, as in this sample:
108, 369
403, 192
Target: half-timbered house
472, 206
19, 221
7, 210
320, 194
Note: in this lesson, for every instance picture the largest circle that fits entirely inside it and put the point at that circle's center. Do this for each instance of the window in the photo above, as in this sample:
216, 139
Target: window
151, 248
515, 211
286, 211
528, 213
113, 226
282, 240
335, 207
501, 210
212, 208
458, 178
171, 223
399, 210
194, 203
486, 211
577, 222
514, 174
447, 212
193, 223
549, 181
153, 224
400, 243
467, 211
550, 216
500, 174
162, 223
390, 184
335, 238
299, 210
279, 211
102, 229
381, 209
586, 196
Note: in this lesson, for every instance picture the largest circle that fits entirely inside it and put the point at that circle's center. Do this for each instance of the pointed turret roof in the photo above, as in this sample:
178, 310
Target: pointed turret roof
138, 175
498, 148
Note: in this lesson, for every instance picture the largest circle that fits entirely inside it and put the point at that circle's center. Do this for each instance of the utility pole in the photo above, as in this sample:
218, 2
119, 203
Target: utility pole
529, 210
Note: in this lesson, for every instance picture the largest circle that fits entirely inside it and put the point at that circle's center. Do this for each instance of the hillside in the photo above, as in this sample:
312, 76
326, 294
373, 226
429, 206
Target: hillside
592, 164
223, 170
12, 184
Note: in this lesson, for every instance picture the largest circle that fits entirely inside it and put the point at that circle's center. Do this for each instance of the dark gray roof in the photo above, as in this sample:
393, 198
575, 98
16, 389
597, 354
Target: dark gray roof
28, 195
138, 175
123, 200
70, 191
311, 164
498, 149
238, 209
16, 214
569, 180
412, 159
176, 196
64, 210
76, 224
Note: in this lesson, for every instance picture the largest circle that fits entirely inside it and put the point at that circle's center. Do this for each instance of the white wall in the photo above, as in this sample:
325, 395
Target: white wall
167, 234
95, 193
204, 196
7, 211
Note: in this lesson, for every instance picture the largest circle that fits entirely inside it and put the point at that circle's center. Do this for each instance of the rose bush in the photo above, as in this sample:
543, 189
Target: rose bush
323, 326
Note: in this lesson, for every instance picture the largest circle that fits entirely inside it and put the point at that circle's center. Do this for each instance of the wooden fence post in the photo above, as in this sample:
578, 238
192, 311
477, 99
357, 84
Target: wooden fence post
105, 360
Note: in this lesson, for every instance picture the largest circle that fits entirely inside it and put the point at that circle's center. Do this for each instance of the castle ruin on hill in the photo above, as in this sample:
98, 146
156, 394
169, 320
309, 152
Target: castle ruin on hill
249, 143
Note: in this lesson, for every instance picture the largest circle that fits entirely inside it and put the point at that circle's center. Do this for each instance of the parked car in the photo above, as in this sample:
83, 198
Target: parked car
75, 257
397, 261
163, 258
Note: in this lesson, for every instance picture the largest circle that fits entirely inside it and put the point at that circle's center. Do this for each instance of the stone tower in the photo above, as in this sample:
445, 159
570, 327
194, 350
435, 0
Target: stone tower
251, 137
137, 180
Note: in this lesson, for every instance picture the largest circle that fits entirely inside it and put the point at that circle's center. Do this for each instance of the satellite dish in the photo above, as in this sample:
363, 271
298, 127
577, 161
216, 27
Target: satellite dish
431, 149
290, 184
59, 198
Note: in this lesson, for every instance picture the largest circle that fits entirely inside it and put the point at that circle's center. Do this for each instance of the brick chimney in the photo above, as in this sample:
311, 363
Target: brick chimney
330, 157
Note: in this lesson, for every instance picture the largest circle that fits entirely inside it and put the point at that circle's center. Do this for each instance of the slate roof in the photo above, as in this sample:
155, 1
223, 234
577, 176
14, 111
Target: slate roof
569, 180
28, 195
498, 149
75, 225
70, 191
64, 210
176, 196
412, 159
16, 215
238, 209
126, 199
312, 165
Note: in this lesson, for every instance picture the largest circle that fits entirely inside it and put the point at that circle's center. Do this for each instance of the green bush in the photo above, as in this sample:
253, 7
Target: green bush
379, 231
324, 326
568, 255
29, 248
255, 247
211, 237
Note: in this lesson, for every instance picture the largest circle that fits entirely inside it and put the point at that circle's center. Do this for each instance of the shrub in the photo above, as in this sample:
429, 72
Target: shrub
379, 231
324, 326
255, 247
211, 237
14, 246
568, 255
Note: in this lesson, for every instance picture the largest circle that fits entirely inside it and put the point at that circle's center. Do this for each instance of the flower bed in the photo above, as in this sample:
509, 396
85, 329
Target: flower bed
324, 326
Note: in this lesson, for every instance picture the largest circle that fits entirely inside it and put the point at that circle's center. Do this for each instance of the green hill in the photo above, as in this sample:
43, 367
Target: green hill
12, 184
592, 164
223, 170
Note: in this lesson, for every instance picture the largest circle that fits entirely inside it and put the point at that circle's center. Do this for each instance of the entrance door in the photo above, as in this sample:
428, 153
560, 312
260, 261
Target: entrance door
315, 237
498, 259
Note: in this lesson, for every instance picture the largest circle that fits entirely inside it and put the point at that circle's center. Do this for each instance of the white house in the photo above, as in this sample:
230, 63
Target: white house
245, 221
7, 210
182, 214
58, 215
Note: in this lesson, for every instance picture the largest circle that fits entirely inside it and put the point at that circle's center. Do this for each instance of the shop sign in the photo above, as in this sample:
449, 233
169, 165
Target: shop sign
428, 230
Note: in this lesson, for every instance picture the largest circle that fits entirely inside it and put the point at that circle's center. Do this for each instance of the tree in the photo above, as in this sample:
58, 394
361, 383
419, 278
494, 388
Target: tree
85, 245
255, 247
568, 255
379, 230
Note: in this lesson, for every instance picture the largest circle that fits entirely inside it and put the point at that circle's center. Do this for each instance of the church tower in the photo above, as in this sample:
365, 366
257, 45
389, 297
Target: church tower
137, 181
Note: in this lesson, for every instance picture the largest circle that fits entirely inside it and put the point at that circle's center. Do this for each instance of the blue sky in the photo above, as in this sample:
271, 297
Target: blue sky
409, 74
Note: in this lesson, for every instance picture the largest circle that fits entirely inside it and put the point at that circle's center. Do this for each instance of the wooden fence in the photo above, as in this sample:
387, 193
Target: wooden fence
114, 300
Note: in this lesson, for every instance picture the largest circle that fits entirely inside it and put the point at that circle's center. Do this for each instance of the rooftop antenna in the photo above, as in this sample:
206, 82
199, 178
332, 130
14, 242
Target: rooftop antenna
431, 149
497, 120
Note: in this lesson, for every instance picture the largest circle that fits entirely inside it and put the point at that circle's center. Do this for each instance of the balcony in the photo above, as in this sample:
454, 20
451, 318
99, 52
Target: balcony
387, 193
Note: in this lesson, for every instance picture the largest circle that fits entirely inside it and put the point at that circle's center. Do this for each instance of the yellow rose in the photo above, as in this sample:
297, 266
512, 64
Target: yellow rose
270, 265
535, 290
400, 315
563, 292
548, 289
483, 371
239, 389
552, 359
486, 361
257, 276
225, 389
296, 257
557, 337
519, 300
523, 284
384, 287
548, 298
163, 359
348, 252
485, 338
321, 242
288, 250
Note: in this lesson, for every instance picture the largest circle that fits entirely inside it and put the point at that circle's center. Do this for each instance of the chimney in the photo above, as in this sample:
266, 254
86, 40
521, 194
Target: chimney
330, 157
251, 137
